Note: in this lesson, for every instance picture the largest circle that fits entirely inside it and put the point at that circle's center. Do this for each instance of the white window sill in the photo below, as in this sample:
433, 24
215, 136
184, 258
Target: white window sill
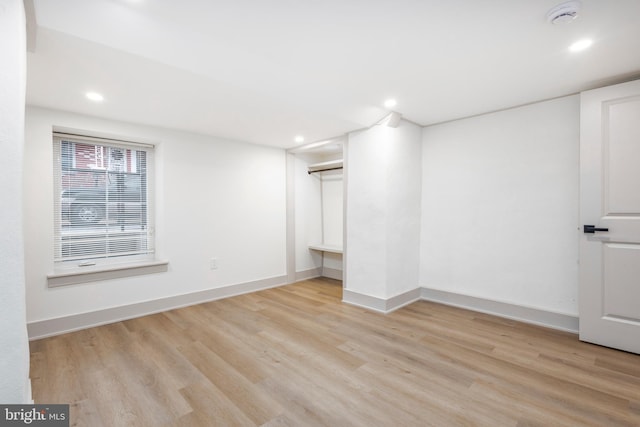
106, 272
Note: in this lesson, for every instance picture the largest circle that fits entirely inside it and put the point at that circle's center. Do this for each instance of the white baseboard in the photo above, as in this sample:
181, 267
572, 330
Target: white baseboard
312, 273
380, 304
403, 299
50, 327
549, 319
61, 325
332, 273
365, 301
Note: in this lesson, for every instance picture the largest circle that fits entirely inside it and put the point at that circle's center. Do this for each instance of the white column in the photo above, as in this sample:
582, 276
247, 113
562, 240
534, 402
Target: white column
14, 357
383, 214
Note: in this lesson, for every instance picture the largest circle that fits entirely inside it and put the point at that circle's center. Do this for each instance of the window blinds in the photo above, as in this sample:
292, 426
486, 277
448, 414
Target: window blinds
102, 209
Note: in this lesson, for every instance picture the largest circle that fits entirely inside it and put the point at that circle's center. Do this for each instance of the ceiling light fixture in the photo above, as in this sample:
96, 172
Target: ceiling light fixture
581, 45
390, 103
564, 12
299, 139
95, 96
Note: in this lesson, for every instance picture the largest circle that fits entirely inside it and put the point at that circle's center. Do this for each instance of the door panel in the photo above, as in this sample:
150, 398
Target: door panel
622, 174
610, 198
621, 273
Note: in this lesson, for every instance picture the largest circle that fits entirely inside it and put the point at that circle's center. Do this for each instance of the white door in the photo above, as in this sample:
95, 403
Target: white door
610, 199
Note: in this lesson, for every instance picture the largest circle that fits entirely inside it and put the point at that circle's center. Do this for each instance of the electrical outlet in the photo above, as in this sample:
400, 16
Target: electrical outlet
213, 263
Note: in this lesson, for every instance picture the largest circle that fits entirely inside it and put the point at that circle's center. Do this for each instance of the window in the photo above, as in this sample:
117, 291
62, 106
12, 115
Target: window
102, 209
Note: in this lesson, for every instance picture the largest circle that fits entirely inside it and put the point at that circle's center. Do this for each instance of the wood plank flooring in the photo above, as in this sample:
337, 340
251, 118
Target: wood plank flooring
297, 356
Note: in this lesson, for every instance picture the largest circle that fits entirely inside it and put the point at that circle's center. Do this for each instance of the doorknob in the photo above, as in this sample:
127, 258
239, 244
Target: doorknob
592, 229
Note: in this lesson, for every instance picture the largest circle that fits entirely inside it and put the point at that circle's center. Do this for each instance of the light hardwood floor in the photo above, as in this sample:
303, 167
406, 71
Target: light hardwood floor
297, 356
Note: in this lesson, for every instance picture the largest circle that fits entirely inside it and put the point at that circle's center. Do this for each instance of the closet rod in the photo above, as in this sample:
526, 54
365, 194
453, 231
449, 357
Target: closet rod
324, 170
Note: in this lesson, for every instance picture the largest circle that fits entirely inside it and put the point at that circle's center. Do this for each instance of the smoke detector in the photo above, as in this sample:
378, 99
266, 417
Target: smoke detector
564, 12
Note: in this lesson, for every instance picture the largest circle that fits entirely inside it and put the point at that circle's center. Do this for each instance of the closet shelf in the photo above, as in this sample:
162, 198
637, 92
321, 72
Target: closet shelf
325, 166
327, 248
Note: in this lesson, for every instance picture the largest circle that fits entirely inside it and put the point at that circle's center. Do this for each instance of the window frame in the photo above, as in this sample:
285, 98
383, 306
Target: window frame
68, 271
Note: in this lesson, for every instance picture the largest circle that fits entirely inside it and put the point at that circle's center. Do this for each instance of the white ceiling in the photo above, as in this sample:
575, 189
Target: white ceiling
266, 71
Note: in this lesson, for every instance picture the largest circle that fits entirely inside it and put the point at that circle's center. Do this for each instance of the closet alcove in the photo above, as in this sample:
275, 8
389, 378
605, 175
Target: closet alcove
318, 209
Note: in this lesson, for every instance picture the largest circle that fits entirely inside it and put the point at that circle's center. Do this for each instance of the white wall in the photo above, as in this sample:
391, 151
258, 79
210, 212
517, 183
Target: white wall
500, 206
308, 216
332, 222
332, 211
14, 357
214, 198
383, 210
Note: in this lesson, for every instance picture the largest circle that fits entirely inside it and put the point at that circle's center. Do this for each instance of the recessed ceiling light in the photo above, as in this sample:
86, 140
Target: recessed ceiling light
390, 103
299, 139
581, 45
95, 96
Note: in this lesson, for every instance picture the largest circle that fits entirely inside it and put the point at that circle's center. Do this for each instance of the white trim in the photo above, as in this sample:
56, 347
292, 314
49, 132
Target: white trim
32, 25
549, 319
560, 321
105, 272
364, 301
536, 316
380, 304
56, 326
331, 273
107, 138
312, 273
403, 299
345, 177
290, 164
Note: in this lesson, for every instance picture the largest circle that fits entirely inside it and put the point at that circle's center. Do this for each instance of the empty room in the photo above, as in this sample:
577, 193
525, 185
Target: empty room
328, 213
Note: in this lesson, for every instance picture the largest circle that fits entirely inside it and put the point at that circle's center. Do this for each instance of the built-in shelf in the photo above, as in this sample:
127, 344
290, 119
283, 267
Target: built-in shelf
334, 249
